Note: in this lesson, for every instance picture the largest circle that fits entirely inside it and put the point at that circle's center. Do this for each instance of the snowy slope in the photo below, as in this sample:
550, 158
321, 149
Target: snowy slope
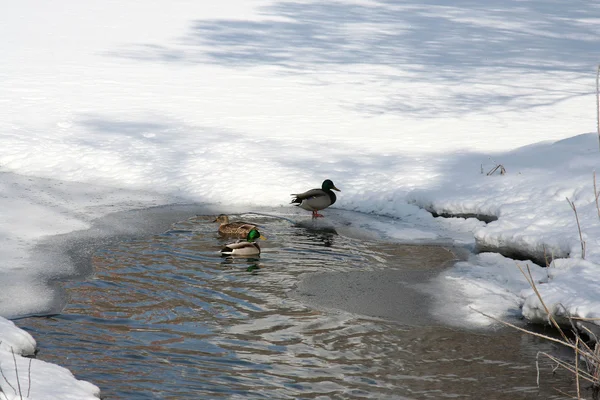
401, 103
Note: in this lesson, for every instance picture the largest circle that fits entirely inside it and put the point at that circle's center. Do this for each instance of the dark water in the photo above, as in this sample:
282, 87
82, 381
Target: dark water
168, 318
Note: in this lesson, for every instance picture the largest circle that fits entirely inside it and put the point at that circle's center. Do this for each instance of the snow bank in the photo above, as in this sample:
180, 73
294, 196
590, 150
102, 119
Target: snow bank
109, 106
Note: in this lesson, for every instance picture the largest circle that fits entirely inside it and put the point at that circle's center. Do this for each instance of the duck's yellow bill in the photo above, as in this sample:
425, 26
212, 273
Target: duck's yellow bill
334, 188
261, 237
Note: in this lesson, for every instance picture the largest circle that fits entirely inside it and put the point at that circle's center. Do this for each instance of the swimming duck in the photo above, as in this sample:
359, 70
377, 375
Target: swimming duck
246, 247
238, 229
316, 199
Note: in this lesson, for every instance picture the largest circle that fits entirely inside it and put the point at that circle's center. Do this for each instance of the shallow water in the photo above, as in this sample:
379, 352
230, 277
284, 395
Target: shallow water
167, 318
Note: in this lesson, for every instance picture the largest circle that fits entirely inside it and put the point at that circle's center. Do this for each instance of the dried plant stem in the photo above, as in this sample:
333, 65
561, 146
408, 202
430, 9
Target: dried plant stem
598, 103
585, 319
577, 367
582, 374
564, 394
578, 227
525, 330
537, 369
29, 378
596, 195
17, 373
502, 170
529, 277
548, 262
6, 380
583, 353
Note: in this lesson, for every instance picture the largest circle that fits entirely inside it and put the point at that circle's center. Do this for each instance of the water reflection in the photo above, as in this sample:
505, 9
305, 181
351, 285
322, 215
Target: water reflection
177, 320
320, 234
253, 268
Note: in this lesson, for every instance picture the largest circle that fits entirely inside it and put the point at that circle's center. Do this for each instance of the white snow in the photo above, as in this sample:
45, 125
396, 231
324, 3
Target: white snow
112, 105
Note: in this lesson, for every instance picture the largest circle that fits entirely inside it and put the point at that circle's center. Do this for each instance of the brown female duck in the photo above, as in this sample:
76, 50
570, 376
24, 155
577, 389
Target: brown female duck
237, 229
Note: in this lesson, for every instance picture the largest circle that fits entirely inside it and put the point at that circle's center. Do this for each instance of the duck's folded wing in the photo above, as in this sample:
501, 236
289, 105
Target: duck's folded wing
308, 195
239, 225
238, 245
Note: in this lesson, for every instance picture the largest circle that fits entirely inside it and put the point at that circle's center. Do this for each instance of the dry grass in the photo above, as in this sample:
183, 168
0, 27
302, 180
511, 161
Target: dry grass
499, 167
586, 364
18, 390
596, 194
572, 204
598, 103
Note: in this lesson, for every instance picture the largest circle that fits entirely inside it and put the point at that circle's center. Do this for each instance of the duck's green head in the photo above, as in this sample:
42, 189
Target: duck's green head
328, 185
253, 235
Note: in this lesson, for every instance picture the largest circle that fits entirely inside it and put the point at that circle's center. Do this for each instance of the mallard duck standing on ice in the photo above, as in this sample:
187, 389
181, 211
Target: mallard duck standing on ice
316, 199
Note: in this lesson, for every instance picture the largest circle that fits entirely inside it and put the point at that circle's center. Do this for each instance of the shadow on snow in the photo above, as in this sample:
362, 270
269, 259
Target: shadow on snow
452, 44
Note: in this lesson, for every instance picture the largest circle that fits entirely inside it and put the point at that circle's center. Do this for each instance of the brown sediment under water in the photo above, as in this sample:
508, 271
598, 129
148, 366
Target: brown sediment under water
316, 315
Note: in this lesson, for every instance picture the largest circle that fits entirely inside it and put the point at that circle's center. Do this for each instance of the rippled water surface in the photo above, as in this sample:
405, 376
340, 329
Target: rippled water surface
167, 318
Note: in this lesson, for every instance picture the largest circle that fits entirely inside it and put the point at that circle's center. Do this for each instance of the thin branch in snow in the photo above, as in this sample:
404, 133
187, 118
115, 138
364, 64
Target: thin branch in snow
598, 103
572, 204
6, 380
17, 372
596, 195
29, 378
499, 166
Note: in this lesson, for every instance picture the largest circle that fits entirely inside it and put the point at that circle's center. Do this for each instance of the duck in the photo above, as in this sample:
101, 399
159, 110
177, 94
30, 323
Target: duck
237, 229
316, 199
246, 247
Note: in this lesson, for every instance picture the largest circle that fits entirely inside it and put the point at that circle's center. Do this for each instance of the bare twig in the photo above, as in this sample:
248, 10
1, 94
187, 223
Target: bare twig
502, 170
555, 368
550, 338
577, 366
6, 380
598, 103
582, 374
17, 372
572, 204
537, 369
548, 263
586, 349
29, 378
587, 376
585, 319
583, 352
596, 195
564, 393
551, 319
1, 390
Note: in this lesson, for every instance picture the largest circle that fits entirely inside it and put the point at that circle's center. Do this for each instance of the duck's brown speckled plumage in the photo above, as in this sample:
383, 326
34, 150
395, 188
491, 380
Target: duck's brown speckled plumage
237, 229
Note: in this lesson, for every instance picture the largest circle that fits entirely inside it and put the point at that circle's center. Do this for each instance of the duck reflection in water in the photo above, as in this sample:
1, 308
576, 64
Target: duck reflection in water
254, 268
252, 264
320, 234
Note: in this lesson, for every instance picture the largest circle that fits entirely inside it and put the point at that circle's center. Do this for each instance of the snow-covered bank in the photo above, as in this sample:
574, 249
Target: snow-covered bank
32, 210
534, 218
28, 378
131, 105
